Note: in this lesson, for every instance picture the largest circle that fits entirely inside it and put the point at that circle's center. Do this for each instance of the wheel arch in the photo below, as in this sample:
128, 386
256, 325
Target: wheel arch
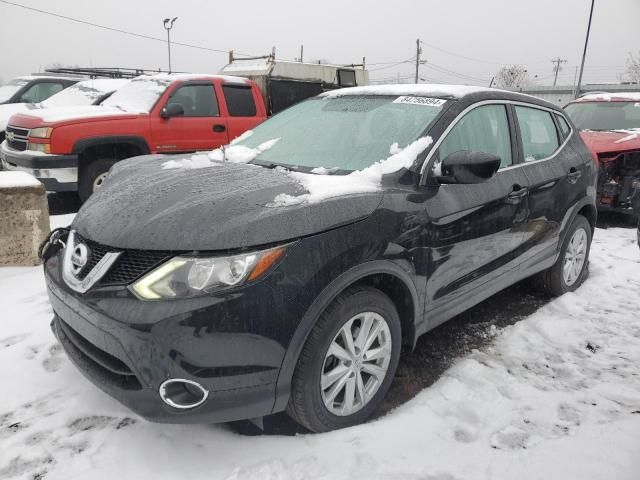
118, 147
384, 275
586, 207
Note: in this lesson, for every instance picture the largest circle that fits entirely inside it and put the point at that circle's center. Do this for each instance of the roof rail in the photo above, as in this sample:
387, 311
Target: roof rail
111, 72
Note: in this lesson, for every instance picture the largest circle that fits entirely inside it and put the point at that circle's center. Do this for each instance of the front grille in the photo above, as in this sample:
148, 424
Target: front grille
129, 266
102, 364
17, 138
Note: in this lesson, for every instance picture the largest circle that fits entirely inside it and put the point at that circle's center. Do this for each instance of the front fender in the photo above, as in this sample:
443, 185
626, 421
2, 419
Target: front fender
322, 301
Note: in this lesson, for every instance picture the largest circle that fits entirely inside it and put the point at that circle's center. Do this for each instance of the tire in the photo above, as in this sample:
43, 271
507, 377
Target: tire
554, 281
90, 175
353, 307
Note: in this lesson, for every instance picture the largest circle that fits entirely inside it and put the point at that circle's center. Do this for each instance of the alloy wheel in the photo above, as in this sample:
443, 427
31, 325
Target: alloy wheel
575, 257
356, 363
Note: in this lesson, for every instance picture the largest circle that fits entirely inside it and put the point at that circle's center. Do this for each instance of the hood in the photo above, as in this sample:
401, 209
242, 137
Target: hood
611, 141
221, 207
63, 115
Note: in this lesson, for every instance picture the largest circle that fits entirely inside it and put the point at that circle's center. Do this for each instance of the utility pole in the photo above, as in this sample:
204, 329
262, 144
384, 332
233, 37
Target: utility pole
418, 52
301, 52
584, 53
558, 61
168, 25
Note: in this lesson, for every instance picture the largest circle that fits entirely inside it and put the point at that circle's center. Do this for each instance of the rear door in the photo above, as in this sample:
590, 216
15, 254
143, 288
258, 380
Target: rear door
557, 178
201, 127
474, 231
241, 108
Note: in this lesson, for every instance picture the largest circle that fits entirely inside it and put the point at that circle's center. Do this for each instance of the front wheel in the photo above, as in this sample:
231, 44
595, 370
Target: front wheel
92, 175
572, 266
348, 362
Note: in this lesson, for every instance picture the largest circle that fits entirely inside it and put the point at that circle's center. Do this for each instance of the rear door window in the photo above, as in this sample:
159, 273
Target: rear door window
538, 132
196, 100
240, 101
483, 129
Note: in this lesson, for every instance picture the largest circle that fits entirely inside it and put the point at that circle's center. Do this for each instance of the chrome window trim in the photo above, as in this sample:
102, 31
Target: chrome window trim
93, 276
455, 121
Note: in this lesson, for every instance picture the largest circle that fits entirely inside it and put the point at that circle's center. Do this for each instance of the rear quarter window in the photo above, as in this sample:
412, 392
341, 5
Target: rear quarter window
538, 131
240, 101
564, 126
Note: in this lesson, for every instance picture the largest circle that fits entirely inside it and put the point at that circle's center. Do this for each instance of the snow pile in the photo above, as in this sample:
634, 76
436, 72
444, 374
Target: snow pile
232, 153
323, 186
16, 179
555, 396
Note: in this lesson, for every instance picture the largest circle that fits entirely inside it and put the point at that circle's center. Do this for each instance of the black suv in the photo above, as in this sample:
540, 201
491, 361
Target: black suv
286, 271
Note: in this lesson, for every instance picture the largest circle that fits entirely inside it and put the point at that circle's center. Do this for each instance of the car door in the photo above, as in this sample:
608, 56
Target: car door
241, 108
556, 175
474, 230
201, 125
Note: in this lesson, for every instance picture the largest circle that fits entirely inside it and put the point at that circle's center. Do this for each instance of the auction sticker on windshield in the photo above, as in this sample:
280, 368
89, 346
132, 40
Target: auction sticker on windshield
426, 101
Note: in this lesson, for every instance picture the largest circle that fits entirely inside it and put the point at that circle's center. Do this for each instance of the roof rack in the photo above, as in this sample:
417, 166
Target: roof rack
112, 72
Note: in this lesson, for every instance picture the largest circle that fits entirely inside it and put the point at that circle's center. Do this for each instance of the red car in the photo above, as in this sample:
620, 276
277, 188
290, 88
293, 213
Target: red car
609, 124
73, 148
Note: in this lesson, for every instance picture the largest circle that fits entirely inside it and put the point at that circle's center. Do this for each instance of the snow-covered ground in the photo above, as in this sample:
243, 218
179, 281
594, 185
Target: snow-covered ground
555, 396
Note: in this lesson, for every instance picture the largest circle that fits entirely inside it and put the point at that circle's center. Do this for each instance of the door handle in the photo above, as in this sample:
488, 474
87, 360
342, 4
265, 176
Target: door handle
219, 128
574, 175
517, 195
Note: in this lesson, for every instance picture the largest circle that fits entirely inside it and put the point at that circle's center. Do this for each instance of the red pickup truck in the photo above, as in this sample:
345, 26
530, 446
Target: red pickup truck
70, 149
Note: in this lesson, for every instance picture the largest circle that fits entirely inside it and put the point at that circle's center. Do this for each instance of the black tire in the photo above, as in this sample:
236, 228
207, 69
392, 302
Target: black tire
305, 403
89, 173
552, 280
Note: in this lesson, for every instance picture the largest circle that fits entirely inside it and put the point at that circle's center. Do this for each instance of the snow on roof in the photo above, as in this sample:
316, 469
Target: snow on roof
15, 179
194, 76
422, 90
608, 97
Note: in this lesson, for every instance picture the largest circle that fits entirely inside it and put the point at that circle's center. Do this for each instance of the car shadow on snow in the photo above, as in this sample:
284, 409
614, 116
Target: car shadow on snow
435, 352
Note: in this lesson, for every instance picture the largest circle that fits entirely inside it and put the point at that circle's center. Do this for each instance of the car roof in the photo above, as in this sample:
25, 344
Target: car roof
468, 93
609, 97
172, 77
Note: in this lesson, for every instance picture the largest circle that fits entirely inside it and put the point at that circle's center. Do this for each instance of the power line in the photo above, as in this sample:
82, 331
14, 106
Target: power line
470, 58
113, 29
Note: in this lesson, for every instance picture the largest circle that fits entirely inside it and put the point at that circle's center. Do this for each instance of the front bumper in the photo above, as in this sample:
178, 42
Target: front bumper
58, 173
128, 348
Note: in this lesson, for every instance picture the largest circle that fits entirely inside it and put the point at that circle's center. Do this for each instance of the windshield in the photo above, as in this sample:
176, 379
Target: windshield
139, 95
83, 93
605, 115
7, 91
344, 133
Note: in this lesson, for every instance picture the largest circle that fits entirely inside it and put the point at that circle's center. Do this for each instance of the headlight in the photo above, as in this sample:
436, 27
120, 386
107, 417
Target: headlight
183, 277
39, 147
42, 132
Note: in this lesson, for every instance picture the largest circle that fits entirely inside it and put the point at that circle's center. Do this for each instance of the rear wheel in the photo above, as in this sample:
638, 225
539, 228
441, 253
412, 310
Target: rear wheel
348, 362
92, 175
571, 268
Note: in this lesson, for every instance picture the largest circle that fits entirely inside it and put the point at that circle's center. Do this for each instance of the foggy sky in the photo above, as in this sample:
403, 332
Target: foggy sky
494, 32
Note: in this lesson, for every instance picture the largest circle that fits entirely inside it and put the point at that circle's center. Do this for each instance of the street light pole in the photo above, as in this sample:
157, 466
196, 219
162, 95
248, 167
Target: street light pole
168, 25
584, 53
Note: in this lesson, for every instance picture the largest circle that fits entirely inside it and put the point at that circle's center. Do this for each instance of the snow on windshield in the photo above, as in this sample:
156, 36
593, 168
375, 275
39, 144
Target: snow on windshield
84, 93
7, 91
321, 186
140, 94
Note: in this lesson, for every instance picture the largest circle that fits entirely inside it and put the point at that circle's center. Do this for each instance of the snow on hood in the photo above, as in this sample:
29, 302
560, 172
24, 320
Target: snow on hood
9, 109
423, 90
231, 153
64, 114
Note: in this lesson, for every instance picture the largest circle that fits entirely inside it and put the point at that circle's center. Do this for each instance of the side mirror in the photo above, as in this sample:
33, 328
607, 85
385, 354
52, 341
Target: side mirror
172, 110
465, 166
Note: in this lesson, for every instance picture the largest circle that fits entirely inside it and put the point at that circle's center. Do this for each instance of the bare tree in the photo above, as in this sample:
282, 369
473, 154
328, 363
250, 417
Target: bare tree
632, 72
511, 77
